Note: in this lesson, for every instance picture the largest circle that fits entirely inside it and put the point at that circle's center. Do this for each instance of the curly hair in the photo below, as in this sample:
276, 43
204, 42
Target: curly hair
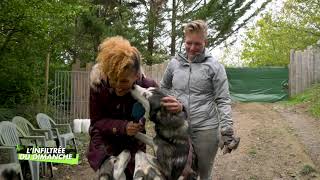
117, 56
196, 26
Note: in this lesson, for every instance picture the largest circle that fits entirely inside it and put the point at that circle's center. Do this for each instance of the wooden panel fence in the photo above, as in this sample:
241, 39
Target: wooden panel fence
156, 71
304, 69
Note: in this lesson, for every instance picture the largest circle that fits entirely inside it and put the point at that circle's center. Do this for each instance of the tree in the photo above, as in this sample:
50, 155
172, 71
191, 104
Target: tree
269, 42
106, 18
224, 17
38, 37
304, 12
31, 32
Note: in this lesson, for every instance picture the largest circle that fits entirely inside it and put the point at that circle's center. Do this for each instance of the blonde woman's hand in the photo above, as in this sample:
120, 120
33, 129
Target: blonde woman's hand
171, 104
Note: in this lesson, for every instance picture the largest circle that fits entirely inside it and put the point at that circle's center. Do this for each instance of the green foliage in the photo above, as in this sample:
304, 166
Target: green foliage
27, 111
102, 21
225, 17
269, 42
29, 31
69, 30
306, 13
311, 97
6, 114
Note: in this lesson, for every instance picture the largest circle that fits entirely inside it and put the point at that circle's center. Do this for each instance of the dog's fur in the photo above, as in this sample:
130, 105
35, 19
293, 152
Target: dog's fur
172, 142
146, 167
9, 174
113, 167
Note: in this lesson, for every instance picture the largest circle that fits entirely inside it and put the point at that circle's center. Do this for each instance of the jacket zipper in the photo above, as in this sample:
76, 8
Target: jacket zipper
190, 71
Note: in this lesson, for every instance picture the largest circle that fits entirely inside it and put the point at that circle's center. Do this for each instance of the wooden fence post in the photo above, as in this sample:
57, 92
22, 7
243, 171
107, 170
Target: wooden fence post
292, 72
298, 71
316, 54
304, 69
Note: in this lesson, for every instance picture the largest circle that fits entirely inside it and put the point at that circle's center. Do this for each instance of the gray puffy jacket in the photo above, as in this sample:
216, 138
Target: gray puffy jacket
202, 87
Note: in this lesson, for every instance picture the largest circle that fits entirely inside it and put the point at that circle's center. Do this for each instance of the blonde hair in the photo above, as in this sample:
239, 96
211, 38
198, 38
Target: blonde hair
196, 26
116, 56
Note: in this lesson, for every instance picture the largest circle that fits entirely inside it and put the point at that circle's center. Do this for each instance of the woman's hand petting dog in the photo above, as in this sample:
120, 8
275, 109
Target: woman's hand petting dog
134, 128
171, 104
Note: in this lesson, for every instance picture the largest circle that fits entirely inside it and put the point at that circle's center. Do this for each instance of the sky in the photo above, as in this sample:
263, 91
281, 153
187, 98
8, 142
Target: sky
233, 58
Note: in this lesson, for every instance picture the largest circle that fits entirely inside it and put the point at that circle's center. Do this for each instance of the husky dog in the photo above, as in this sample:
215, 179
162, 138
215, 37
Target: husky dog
172, 144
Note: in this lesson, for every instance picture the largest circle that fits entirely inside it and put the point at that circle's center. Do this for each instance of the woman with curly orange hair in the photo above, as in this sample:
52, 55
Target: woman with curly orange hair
114, 119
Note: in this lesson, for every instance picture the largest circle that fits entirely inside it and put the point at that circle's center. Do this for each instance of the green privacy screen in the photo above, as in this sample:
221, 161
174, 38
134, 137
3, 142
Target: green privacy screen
258, 84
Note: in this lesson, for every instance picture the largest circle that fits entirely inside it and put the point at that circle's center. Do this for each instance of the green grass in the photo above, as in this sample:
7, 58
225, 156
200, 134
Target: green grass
306, 170
311, 97
254, 177
253, 152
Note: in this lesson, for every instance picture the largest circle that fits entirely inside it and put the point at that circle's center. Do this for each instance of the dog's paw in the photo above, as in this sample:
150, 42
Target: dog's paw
119, 166
106, 169
146, 167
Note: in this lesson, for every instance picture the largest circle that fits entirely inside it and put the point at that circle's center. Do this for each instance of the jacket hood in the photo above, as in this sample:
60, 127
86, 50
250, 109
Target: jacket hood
197, 59
96, 76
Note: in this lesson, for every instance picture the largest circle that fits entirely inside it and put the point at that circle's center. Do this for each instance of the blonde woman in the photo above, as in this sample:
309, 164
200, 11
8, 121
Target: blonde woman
200, 83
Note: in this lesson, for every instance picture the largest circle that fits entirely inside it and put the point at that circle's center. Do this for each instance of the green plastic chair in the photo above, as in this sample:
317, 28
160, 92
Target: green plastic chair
9, 160
61, 132
9, 137
29, 130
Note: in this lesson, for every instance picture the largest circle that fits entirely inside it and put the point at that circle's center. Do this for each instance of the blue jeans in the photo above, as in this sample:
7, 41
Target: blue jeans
205, 144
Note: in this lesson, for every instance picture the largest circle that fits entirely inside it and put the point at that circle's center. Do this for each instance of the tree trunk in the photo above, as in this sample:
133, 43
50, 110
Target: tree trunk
151, 28
47, 80
173, 30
